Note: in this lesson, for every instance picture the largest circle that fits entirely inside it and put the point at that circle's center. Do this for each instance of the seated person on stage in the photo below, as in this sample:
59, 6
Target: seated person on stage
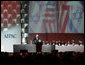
56, 43
63, 43
47, 43
77, 43
73, 42
80, 42
53, 42
31, 42
68, 43
43, 42
59, 42
38, 43
50, 43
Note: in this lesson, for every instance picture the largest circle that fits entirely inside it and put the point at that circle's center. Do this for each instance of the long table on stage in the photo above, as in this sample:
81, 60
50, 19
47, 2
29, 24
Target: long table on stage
47, 48
31, 48
28, 47
75, 48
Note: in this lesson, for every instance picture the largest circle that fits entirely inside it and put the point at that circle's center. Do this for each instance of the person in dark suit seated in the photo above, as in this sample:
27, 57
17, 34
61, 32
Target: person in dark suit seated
43, 42
38, 43
31, 42
73, 42
56, 43
80, 42
53, 42
59, 42
63, 43
68, 43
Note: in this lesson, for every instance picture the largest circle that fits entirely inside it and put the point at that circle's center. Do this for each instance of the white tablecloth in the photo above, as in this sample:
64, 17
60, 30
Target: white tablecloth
46, 48
76, 48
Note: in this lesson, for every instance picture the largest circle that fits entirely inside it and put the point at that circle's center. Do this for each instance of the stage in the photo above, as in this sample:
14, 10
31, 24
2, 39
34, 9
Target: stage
31, 48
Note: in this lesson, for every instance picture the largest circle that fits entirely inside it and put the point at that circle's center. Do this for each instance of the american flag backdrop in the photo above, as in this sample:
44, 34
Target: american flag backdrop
56, 17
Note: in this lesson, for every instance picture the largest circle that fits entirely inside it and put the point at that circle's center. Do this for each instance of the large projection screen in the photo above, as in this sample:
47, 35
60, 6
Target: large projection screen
56, 17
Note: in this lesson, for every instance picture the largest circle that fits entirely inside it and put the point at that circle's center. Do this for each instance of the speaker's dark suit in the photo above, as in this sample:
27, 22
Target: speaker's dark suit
38, 44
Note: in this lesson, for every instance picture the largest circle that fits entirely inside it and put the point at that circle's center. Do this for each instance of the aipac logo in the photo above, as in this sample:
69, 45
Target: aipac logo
10, 35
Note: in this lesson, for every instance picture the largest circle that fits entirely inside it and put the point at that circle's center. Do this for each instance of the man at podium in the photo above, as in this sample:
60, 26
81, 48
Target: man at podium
38, 43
